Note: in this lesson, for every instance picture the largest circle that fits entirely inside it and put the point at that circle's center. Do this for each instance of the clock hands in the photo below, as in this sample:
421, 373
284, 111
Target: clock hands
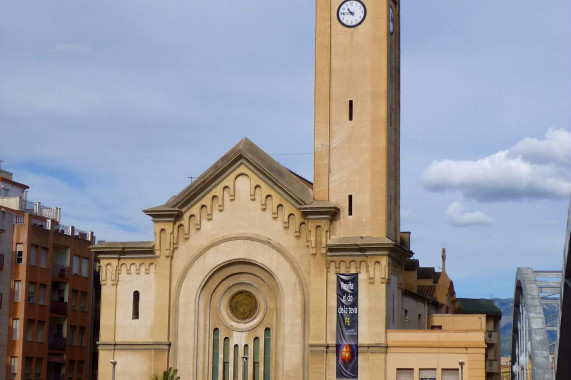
349, 12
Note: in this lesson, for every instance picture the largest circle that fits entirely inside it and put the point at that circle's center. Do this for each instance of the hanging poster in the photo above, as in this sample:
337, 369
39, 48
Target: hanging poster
347, 326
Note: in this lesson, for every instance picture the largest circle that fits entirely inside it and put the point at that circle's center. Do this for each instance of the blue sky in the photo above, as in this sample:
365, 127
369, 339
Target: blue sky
106, 108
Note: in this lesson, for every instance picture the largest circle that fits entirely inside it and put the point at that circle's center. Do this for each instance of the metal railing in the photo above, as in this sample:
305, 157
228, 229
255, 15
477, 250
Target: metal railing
58, 307
60, 271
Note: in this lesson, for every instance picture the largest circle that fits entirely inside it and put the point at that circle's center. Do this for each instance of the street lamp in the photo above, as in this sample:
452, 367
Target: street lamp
461, 362
113, 363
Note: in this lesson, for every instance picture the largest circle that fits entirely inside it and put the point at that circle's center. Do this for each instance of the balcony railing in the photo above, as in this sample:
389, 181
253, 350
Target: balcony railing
60, 271
55, 376
58, 307
56, 343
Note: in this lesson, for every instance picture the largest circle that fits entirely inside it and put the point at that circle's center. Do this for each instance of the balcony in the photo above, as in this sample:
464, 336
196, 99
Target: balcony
58, 307
491, 337
56, 342
60, 271
55, 376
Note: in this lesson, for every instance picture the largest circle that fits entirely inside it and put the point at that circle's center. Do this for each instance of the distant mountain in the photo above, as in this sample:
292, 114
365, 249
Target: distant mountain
506, 306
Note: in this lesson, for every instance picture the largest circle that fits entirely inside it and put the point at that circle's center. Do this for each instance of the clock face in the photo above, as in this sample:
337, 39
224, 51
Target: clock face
351, 13
391, 20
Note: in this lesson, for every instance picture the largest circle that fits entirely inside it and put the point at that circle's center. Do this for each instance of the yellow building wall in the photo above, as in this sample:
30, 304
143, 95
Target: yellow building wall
462, 338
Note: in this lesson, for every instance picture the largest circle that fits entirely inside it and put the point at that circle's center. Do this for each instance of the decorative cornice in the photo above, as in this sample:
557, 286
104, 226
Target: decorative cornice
163, 213
150, 345
365, 245
319, 210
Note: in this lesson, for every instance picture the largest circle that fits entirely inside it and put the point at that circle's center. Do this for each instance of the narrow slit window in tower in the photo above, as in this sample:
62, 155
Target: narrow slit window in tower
135, 314
226, 360
350, 205
267, 353
350, 110
215, 353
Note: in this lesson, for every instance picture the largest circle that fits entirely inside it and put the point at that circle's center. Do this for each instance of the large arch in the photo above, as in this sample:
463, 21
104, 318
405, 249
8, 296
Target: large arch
263, 263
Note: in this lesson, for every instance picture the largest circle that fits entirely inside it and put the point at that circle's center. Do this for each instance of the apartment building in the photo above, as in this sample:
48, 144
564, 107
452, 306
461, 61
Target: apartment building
48, 296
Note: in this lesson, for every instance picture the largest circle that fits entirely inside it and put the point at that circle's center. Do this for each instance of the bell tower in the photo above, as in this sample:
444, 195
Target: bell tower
357, 107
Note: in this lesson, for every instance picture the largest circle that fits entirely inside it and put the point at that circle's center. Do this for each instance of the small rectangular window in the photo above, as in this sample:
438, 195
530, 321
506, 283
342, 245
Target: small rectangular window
405, 374
43, 257
31, 292
19, 253
82, 301
75, 265
15, 328
13, 367
81, 337
79, 370
28, 363
42, 294
17, 284
427, 374
40, 331
38, 369
70, 367
450, 374
84, 266
30, 330
73, 300
33, 255
72, 335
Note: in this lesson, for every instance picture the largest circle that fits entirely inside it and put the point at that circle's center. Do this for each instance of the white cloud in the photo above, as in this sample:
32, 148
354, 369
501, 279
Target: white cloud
458, 217
532, 168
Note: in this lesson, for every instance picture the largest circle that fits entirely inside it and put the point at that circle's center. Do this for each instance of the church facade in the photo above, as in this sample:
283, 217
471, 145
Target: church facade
256, 272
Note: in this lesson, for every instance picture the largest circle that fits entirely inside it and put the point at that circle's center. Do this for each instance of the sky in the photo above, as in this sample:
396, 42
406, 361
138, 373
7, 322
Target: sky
109, 107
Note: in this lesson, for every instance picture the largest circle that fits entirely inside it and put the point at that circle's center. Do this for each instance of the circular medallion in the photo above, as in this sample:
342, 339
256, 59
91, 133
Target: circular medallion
243, 305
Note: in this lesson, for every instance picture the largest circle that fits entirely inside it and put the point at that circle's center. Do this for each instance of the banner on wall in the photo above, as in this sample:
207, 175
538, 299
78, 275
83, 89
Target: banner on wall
347, 326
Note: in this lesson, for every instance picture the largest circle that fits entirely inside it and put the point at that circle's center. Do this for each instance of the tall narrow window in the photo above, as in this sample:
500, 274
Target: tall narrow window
15, 328
31, 292
39, 366
350, 204
84, 267
135, 304
19, 253
17, 284
215, 353
40, 331
42, 294
30, 330
13, 366
245, 362
28, 364
33, 254
350, 110
83, 299
236, 360
75, 265
43, 257
226, 360
256, 358
267, 353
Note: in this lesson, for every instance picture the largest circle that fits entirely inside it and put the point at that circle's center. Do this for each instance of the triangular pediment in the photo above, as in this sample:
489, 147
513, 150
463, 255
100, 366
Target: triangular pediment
297, 190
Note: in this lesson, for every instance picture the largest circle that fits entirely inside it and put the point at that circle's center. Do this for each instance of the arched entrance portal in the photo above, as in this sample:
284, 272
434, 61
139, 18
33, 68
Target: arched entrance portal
241, 313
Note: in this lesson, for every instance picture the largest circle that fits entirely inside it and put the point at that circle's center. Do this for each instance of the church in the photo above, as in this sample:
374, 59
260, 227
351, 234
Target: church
257, 273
